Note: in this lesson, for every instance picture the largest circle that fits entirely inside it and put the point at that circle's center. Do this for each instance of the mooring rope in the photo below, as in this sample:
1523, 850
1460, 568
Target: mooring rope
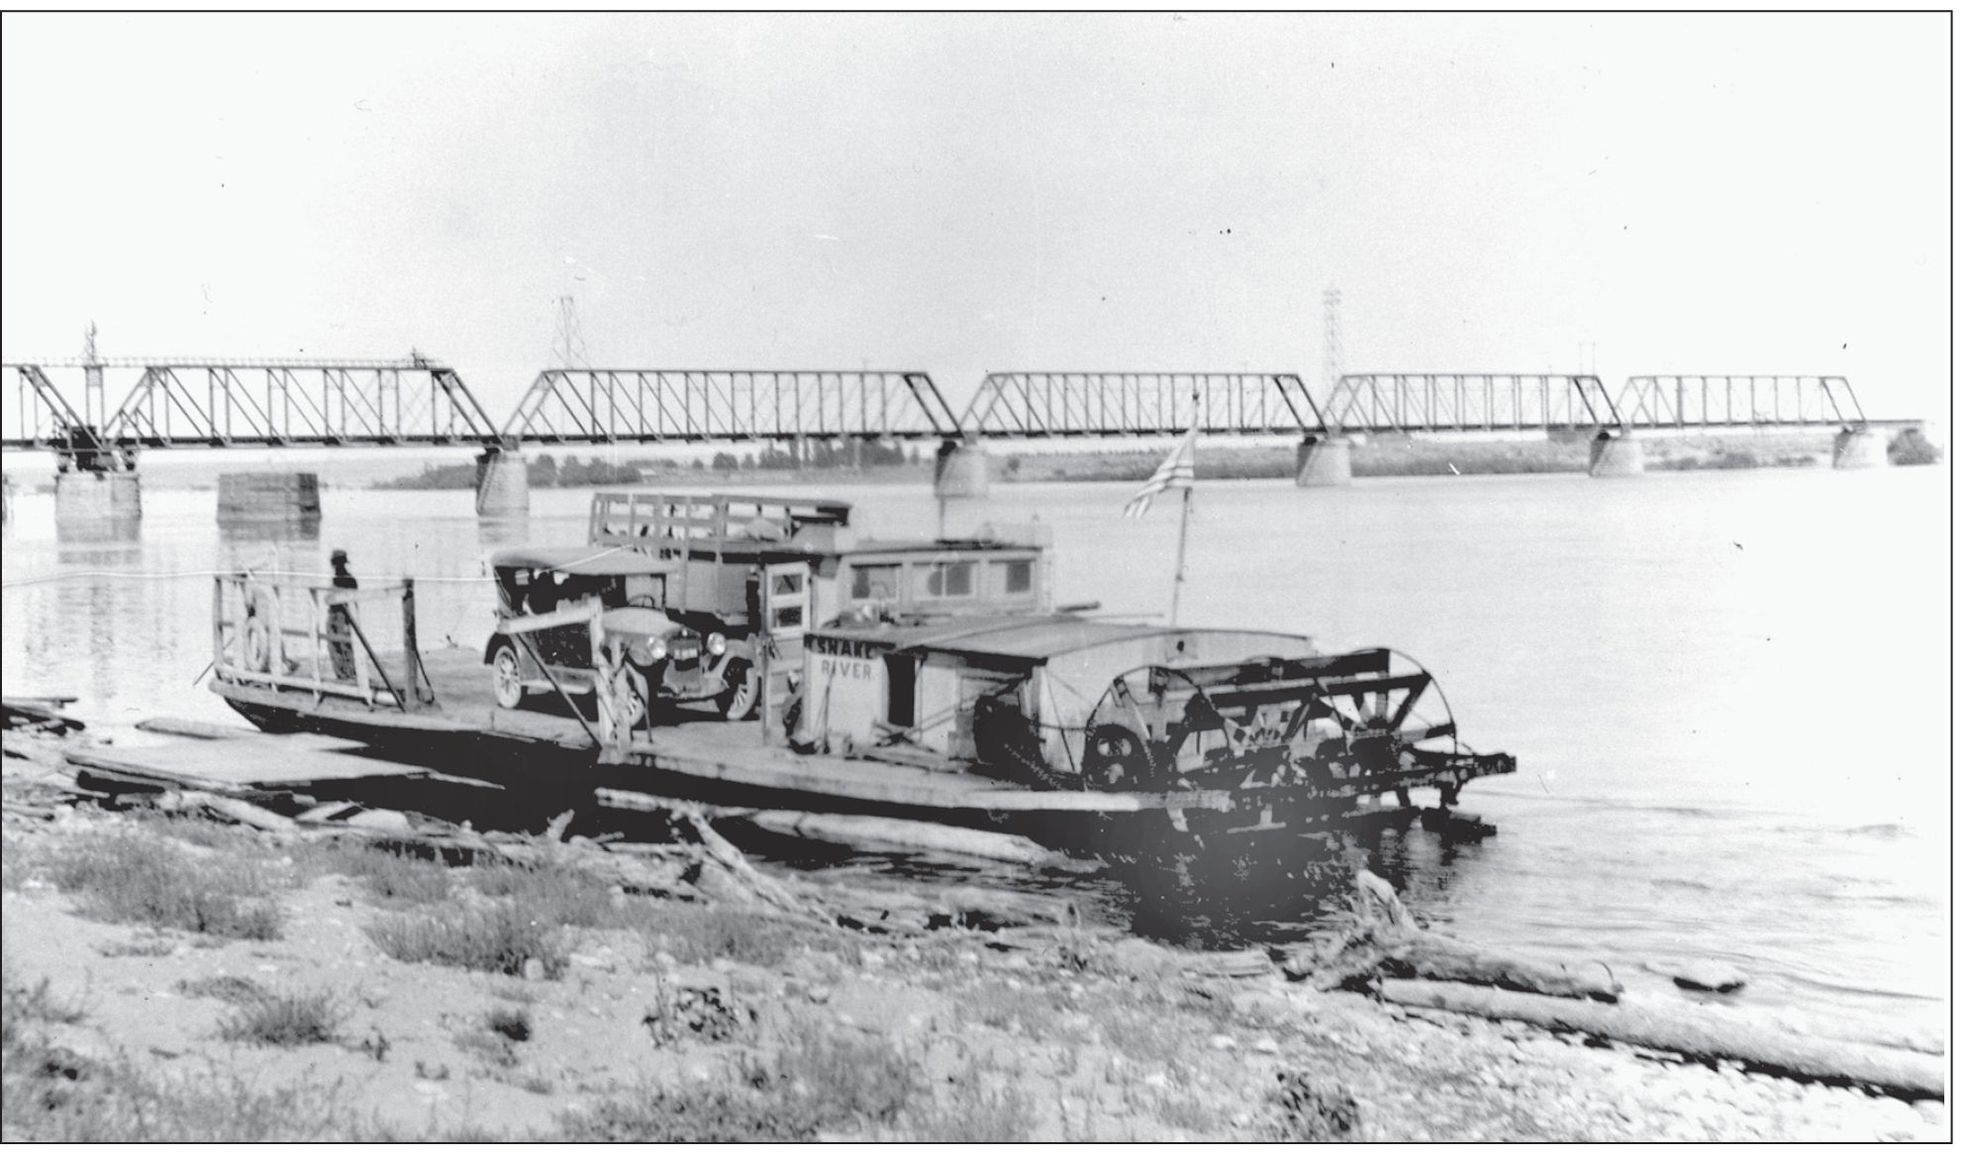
380, 580
146, 576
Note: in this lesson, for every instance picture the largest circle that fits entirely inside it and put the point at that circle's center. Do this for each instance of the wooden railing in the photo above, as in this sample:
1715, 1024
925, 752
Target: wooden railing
320, 639
705, 521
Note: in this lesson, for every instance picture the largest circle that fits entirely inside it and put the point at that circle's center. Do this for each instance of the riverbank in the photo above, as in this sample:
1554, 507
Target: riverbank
1376, 458
169, 977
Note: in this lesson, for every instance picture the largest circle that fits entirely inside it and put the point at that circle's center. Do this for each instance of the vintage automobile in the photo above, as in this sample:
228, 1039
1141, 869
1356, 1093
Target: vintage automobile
672, 665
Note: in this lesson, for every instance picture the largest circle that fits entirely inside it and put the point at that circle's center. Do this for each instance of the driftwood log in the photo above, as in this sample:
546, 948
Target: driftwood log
912, 835
224, 808
1383, 940
1701, 1034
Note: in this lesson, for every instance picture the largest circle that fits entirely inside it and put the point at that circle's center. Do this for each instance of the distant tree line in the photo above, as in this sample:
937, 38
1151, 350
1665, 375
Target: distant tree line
572, 471
819, 454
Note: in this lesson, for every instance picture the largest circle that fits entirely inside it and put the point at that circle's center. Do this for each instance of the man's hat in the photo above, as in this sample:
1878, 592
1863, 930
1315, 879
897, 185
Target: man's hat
339, 556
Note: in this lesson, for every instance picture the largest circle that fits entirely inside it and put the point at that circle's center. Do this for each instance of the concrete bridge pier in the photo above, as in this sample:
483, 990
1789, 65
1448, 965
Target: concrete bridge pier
1858, 448
98, 503
961, 470
1322, 462
1616, 454
502, 482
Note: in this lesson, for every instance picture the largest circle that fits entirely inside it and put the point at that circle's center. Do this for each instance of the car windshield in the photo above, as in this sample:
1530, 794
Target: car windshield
526, 591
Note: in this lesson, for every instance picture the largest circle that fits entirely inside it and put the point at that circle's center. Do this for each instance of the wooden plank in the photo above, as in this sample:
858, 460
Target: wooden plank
219, 764
201, 730
687, 751
912, 835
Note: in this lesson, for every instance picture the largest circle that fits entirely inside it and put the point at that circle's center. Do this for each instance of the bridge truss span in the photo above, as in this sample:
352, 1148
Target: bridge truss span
1412, 403
609, 406
1039, 404
1680, 400
288, 403
42, 417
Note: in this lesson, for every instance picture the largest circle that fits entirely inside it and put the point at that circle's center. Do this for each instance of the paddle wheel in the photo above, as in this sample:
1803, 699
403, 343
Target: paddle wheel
1298, 746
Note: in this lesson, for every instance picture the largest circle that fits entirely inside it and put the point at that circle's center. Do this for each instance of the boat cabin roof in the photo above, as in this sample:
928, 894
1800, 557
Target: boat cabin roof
933, 546
1015, 640
583, 561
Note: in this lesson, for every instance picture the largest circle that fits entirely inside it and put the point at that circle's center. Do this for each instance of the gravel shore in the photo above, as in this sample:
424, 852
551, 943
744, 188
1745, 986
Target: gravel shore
309, 1012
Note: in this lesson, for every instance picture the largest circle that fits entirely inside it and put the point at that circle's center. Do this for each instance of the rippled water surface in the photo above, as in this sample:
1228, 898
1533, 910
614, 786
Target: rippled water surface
1727, 690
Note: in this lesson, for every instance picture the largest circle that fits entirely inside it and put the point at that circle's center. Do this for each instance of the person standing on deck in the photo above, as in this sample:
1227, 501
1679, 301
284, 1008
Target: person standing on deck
341, 651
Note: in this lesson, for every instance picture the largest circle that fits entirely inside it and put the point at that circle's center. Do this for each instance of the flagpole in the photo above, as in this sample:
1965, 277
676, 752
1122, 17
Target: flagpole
1179, 576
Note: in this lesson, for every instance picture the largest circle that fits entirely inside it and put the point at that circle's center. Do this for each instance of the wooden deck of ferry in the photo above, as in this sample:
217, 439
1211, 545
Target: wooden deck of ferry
546, 746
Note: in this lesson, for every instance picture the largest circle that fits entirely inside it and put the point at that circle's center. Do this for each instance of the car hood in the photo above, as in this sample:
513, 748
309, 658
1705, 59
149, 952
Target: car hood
640, 621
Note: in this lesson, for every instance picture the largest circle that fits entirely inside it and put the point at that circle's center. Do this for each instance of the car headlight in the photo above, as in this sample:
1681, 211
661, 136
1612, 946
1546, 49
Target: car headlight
716, 644
645, 651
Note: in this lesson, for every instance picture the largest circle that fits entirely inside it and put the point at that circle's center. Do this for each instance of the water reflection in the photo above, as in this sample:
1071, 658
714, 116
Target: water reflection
103, 530
106, 554
272, 529
1280, 893
503, 532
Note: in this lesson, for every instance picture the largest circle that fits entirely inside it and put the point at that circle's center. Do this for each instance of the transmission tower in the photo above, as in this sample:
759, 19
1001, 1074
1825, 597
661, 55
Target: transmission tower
570, 349
1333, 333
93, 402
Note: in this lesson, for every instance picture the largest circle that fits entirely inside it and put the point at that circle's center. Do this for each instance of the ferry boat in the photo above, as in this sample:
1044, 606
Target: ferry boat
925, 679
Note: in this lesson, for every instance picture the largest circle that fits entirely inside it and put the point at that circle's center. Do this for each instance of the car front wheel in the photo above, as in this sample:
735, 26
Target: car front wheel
507, 677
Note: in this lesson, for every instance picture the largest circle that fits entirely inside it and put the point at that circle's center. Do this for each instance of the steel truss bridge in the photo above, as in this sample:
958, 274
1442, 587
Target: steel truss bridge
1470, 402
1681, 400
1043, 404
607, 406
409, 401
62, 405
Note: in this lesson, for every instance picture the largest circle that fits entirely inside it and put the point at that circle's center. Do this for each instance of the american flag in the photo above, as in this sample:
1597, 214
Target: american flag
1175, 471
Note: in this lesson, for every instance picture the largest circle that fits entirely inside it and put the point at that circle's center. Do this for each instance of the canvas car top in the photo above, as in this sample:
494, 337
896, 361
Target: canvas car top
584, 560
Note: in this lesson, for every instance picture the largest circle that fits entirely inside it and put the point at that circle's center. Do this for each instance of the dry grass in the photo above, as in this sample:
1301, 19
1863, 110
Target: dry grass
227, 988
498, 938
1149, 1030
698, 935
493, 1040
972, 1111
510, 1022
999, 1006
51, 1095
203, 833
144, 879
22, 1006
819, 1080
388, 877
286, 1019
559, 895
1313, 1110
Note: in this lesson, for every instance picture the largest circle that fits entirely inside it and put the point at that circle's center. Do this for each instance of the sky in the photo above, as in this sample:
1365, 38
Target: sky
966, 193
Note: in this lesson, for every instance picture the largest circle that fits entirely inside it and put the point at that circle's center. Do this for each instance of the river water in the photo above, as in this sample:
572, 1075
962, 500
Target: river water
1727, 690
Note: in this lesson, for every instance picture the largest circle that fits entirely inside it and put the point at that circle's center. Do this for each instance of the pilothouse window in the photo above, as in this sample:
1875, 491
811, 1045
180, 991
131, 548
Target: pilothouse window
948, 580
874, 581
1018, 576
